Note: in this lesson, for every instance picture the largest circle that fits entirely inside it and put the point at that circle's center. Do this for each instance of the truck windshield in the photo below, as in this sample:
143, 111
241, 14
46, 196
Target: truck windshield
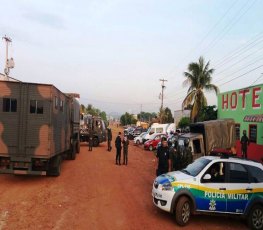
196, 167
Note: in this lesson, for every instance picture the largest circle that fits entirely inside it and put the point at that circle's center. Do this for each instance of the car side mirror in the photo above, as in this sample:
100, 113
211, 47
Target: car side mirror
207, 177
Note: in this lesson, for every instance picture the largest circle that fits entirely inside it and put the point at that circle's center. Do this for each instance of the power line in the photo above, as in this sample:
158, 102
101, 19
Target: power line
261, 76
238, 50
212, 29
235, 63
229, 26
242, 75
251, 63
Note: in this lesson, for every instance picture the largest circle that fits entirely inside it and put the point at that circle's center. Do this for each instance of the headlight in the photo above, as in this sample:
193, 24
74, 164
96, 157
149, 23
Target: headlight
167, 186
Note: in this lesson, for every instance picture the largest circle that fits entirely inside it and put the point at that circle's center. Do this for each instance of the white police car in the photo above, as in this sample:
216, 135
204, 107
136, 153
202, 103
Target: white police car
213, 185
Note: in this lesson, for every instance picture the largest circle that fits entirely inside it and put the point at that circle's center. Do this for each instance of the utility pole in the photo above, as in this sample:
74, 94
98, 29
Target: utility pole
161, 95
7, 67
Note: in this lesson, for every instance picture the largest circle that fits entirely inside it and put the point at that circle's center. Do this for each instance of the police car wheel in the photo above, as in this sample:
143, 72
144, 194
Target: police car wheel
183, 211
151, 148
255, 218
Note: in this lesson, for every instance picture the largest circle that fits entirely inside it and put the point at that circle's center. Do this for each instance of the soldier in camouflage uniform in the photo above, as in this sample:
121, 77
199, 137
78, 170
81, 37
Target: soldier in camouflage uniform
187, 153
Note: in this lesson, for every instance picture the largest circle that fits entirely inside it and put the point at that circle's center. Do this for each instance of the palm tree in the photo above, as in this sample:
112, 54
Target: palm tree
199, 78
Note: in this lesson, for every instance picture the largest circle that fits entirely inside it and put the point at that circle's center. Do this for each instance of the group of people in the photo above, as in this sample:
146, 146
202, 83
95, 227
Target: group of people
169, 158
119, 144
173, 158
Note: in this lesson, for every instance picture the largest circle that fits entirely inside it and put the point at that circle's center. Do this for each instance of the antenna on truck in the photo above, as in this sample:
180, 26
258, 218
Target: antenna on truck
9, 63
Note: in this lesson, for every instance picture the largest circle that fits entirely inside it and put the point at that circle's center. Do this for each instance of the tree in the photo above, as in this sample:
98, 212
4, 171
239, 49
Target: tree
95, 112
208, 113
184, 122
165, 116
146, 116
199, 78
127, 119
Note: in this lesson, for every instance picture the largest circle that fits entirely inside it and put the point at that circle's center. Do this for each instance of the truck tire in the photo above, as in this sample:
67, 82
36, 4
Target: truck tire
54, 167
255, 217
73, 152
95, 142
78, 147
183, 211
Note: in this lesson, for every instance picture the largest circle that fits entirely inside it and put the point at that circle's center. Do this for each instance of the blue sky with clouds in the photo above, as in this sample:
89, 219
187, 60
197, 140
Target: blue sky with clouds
113, 52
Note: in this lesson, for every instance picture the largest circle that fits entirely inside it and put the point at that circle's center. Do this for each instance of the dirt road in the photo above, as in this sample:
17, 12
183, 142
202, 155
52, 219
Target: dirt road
93, 193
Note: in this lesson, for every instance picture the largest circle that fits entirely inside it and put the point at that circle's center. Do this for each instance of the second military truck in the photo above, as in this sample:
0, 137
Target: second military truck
92, 125
212, 136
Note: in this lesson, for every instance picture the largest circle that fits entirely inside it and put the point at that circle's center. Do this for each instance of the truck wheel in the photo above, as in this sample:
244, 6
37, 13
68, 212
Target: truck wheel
78, 147
183, 211
95, 142
54, 167
151, 148
255, 218
73, 152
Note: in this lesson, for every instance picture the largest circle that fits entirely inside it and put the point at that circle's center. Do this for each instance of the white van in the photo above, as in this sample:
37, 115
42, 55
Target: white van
159, 128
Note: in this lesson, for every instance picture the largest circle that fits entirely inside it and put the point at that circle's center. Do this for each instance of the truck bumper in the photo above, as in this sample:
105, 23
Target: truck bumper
22, 172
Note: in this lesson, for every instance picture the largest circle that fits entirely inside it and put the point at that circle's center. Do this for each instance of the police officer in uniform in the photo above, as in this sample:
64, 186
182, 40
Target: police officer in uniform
244, 144
125, 144
187, 153
175, 156
109, 135
118, 149
163, 156
90, 140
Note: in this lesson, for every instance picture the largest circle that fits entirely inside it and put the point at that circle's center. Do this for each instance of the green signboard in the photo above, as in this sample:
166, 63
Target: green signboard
245, 106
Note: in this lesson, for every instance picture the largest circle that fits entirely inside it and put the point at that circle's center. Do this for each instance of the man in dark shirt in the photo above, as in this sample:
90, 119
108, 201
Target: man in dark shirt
244, 144
109, 134
118, 149
163, 158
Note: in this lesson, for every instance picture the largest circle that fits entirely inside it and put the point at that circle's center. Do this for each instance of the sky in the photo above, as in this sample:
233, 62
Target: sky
114, 52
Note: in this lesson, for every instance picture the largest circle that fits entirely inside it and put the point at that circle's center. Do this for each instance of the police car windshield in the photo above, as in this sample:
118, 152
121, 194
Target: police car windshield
196, 167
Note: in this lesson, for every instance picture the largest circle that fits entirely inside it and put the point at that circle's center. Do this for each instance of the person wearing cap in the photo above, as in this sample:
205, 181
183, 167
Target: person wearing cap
118, 149
90, 139
109, 138
244, 144
163, 158
125, 144
187, 153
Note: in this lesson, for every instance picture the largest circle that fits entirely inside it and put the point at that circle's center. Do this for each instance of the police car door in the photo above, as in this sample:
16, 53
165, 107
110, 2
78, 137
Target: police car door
212, 196
238, 188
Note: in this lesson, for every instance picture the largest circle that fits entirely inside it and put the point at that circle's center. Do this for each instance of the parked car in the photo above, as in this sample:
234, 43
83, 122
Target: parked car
153, 142
138, 140
213, 185
159, 128
136, 132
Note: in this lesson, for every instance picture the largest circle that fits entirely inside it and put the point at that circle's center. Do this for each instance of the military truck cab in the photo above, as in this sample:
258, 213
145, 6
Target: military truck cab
196, 143
215, 136
92, 125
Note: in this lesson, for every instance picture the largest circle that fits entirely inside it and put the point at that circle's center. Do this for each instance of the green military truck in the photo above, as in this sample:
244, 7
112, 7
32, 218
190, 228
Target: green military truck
92, 125
214, 136
39, 126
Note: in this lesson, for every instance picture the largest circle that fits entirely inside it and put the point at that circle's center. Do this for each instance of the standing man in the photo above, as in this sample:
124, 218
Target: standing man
244, 144
118, 149
90, 140
125, 144
163, 162
109, 139
187, 153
